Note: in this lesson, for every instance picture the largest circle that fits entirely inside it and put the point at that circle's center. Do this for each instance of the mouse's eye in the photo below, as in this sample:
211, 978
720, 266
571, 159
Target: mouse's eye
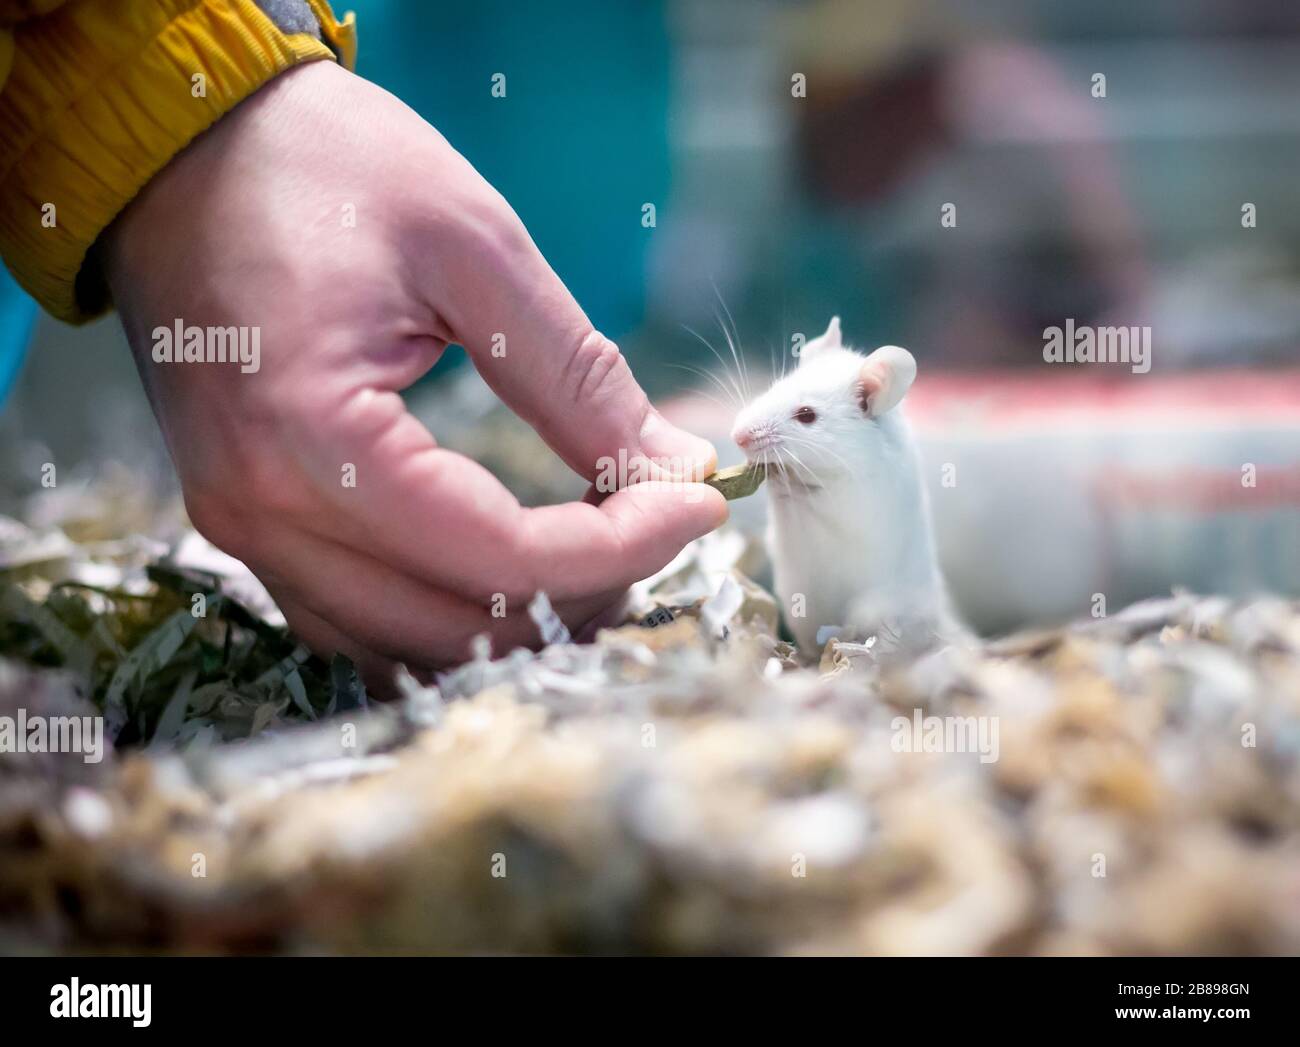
806, 415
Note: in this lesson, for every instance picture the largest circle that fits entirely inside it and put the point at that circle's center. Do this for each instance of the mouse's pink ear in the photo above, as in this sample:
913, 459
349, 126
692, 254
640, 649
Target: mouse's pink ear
830, 339
884, 378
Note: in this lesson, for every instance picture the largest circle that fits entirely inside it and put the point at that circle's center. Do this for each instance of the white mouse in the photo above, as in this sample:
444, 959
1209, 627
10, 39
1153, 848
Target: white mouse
849, 534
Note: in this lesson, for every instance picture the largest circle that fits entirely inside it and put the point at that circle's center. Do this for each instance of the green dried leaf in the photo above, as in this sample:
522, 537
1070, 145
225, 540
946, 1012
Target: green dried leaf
298, 692
740, 481
103, 635
285, 674
208, 697
173, 715
153, 653
73, 650
263, 715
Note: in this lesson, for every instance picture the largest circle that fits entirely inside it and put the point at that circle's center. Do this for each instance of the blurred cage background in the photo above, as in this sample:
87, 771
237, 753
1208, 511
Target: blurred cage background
782, 210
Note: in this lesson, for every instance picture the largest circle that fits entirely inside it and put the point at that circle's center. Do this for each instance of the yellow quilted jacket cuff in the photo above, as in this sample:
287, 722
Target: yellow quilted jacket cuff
100, 96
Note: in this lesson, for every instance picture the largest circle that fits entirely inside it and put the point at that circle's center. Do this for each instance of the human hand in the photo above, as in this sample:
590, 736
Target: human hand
327, 214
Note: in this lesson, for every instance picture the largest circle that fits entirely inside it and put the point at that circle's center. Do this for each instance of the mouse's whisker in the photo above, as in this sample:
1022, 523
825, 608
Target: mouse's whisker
732, 404
736, 355
740, 363
726, 368
785, 469
803, 469
824, 450
804, 441
709, 396
780, 461
805, 474
741, 368
809, 444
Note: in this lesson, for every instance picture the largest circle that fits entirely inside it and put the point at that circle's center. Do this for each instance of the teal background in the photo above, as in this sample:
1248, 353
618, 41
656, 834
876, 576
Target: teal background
578, 143
17, 314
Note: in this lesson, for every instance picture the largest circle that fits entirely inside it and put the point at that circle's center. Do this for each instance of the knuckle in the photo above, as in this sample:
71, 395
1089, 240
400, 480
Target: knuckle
488, 223
530, 559
595, 369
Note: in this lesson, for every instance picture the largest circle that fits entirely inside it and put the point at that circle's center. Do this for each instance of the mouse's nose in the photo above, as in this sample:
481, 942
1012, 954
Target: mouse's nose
744, 438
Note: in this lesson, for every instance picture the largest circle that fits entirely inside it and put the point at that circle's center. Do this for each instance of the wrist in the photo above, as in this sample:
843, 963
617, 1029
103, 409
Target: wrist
126, 102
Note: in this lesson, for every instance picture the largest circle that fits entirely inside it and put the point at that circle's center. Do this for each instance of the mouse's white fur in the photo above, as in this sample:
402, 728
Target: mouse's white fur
850, 533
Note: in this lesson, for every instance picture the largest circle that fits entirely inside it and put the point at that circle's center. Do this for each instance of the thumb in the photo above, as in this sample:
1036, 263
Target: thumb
536, 348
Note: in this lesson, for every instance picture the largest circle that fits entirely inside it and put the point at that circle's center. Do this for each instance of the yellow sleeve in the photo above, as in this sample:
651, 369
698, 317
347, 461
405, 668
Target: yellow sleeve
99, 95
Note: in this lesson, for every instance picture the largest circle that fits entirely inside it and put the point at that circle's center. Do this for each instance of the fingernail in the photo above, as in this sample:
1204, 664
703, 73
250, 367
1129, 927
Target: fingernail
675, 453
